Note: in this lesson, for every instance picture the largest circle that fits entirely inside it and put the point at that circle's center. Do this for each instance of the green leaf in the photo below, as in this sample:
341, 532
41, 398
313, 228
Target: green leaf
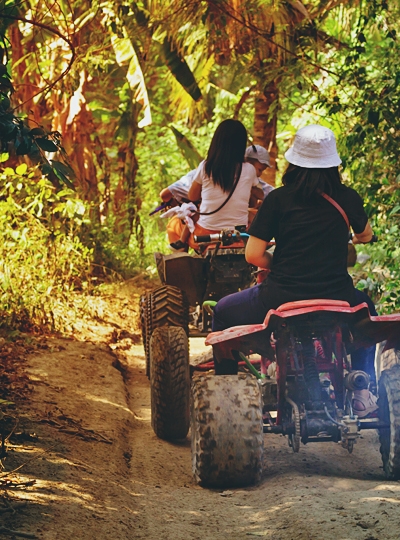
180, 69
58, 169
125, 52
189, 152
46, 145
373, 117
62, 168
46, 169
37, 132
4, 81
23, 147
5, 103
21, 169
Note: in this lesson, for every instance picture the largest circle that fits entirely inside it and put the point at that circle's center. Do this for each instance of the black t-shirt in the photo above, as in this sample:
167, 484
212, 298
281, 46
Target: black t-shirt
310, 257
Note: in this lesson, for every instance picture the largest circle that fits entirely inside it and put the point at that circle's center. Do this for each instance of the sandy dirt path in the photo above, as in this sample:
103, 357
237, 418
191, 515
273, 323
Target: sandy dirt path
98, 471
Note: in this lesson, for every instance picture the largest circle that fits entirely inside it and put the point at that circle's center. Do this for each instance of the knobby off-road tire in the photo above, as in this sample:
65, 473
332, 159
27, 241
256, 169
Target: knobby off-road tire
227, 430
143, 312
170, 382
166, 306
389, 412
385, 359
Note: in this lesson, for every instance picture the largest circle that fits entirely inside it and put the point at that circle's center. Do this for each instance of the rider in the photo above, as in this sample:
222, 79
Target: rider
258, 156
311, 235
255, 154
223, 183
178, 192
179, 189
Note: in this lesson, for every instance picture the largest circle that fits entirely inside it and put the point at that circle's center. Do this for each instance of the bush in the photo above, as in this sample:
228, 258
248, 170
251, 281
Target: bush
42, 259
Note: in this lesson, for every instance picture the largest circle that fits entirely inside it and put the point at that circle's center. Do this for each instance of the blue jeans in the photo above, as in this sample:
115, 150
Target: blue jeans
250, 306
364, 359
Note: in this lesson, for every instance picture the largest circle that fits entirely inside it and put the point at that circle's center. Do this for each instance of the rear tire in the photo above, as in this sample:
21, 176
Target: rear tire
385, 359
227, 430
166, 306
389, 413
170, 383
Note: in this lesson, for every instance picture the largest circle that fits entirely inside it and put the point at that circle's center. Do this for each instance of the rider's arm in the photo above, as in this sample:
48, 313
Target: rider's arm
363, 237
166, 195
195, 192
257, 192
256, 253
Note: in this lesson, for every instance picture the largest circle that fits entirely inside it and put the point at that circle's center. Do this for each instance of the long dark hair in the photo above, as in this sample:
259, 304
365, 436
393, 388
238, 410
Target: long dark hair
309, 182
226, 154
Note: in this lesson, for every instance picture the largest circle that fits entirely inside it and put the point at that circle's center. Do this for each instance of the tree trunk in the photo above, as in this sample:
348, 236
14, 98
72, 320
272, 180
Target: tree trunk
265, 127
126, 200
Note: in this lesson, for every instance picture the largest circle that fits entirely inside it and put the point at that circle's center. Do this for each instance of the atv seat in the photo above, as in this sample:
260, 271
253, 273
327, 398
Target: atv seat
300, 304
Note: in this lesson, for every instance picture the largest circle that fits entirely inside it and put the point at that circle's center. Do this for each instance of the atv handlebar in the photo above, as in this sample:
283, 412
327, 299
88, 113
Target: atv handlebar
372, 241
226, 237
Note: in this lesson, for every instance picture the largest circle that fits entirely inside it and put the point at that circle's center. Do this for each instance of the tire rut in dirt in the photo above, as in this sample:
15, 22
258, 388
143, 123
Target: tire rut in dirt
170, 382
143, 313
227, 430
166, 306
389, 412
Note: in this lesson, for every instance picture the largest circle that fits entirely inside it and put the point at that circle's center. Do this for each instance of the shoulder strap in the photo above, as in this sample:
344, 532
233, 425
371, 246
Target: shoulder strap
224, 203
337, 206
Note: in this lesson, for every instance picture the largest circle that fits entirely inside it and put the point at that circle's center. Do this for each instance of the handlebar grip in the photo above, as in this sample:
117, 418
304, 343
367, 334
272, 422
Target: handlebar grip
373, 239
202, 238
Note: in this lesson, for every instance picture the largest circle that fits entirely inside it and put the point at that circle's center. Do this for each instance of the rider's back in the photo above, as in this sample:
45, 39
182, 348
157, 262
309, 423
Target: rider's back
235, 211
311, 240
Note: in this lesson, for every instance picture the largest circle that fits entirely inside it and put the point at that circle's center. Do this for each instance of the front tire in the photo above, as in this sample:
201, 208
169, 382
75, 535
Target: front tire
170, 383
227, 430
166, 306
389, 413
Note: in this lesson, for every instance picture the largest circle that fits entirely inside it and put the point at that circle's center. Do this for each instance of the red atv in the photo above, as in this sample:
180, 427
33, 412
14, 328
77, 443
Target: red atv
310, 400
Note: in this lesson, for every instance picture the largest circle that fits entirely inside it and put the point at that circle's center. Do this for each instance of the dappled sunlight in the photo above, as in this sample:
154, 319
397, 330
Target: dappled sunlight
61, 492
105, 401
387, 487
379, 500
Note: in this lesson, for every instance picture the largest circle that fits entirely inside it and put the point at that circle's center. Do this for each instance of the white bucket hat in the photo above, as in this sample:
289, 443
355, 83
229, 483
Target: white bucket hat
255, 151
314, 147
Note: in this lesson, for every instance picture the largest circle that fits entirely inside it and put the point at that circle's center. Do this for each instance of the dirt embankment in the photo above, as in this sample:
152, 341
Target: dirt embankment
92, 468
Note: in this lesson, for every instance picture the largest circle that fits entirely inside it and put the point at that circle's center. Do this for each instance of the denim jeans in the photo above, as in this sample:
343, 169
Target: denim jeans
250, 306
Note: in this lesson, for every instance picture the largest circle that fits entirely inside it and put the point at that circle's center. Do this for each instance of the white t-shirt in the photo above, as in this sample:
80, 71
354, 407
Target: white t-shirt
267, 188
235, 211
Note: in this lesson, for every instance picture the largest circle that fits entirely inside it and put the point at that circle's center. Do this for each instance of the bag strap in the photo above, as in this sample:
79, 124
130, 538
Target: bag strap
225, 201
337, 206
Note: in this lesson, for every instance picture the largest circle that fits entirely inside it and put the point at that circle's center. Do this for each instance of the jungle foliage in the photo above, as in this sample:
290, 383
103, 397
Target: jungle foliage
104, 104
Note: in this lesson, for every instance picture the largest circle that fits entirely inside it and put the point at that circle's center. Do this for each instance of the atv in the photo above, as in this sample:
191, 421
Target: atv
310, 398
181, 308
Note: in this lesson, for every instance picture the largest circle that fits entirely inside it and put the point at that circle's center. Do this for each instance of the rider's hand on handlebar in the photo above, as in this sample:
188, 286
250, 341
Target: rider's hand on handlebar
356, 240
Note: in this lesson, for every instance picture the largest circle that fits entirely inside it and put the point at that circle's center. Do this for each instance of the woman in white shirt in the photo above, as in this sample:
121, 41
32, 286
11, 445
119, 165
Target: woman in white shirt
224, 176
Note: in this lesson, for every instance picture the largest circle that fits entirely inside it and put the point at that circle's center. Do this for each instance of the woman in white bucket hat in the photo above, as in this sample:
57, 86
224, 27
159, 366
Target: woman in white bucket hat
311, 235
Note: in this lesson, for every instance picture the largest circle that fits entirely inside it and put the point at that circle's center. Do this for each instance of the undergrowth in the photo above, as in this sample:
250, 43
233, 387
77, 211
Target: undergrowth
42, 258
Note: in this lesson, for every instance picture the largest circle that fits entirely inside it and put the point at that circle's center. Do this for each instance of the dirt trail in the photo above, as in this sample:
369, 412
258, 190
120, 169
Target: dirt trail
100, 472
